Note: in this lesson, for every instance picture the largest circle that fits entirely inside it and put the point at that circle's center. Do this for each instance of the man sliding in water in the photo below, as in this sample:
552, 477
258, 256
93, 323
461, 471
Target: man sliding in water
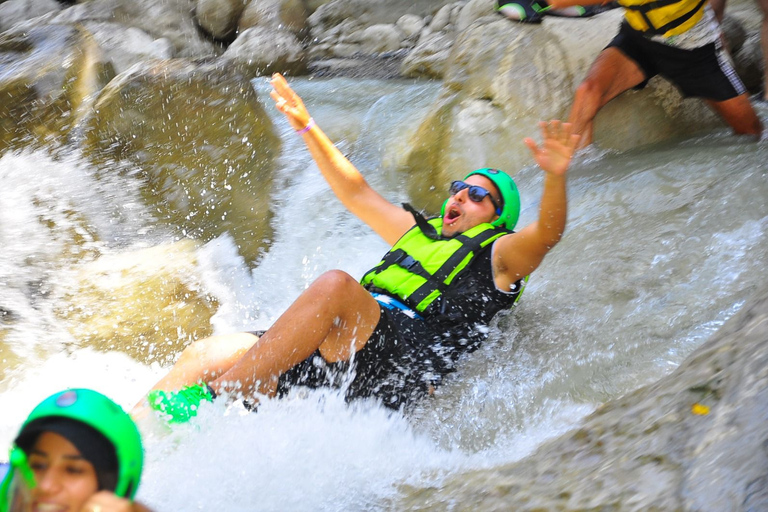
406, 323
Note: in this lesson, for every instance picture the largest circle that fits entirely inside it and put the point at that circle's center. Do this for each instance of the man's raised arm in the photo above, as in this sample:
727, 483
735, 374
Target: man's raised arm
386, 219
519, 254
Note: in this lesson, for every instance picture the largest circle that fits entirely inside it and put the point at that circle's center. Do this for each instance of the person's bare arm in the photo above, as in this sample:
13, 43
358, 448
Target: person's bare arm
518, 254
386, 219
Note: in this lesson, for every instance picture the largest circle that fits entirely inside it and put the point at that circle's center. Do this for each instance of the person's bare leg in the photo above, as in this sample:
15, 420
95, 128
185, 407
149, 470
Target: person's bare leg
739, 114
202, 360
335, 315
718, 7
611, 74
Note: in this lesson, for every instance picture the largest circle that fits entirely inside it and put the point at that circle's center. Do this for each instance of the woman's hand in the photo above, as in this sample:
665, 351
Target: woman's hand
105, 501
554, 154
289, 103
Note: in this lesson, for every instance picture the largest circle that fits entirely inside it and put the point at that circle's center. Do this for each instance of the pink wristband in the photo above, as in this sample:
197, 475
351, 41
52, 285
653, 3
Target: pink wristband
309, 126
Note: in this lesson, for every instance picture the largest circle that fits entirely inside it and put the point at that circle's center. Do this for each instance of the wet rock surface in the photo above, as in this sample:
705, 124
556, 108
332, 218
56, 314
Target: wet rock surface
695, 440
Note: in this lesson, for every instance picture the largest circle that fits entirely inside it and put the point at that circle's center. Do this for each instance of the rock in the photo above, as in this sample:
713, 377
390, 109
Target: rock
428, 59
288, 15
169, 19
125, 46
263, 51
47, 73
442, 19
410, 25
471, 11
380, 39
219, 18
695, 440
13, 12
186, 129
149, 303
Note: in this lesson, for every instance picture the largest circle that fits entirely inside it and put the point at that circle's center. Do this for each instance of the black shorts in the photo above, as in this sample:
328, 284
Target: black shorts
705, 72
402, 360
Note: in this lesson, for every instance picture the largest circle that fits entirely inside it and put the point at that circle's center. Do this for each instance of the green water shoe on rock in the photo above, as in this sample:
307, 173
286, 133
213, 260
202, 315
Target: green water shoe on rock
183, 404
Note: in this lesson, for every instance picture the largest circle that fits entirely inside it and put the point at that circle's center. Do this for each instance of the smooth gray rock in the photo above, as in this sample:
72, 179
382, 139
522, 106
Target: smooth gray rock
262, 51
695, 440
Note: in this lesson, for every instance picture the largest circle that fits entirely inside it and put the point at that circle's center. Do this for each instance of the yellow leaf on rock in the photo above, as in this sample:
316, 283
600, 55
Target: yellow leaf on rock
699, 409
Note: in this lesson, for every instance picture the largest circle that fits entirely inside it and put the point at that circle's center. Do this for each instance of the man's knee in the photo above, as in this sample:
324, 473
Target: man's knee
336, 281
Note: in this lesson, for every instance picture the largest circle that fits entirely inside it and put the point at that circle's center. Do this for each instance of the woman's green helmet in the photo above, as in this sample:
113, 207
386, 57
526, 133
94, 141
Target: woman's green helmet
96, 411
510, 211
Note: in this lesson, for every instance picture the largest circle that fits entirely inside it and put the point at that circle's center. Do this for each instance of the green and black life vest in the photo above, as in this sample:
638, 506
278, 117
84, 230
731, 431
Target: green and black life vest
418, 269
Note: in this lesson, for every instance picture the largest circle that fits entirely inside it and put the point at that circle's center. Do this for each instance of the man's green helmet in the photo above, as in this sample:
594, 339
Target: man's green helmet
91, 412
510, 211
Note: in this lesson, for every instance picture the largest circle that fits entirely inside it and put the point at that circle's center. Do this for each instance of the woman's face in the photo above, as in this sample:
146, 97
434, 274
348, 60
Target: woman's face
65, 480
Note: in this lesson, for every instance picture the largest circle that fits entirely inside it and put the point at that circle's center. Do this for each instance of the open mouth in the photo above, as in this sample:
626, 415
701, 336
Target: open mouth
451, 214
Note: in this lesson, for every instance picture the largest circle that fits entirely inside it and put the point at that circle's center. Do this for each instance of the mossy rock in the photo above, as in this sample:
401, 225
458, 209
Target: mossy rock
203, 145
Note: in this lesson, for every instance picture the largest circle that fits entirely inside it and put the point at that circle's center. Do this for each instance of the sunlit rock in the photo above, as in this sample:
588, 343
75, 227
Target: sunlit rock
502, 78
202, 142
48, 73
263, 51
147, 303
695, 440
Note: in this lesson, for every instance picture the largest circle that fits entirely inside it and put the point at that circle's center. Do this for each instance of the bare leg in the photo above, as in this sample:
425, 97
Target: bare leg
335, 315
718, 6
739, 114
611, 74
207, 359
203, 360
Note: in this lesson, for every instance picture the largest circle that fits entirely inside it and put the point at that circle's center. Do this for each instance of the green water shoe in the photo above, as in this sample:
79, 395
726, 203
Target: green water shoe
183, 404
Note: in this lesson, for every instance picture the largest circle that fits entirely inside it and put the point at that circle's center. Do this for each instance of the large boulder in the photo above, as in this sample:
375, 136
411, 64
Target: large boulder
201, 141
695, 440
148, 303
264, 50
502, 78
219, 17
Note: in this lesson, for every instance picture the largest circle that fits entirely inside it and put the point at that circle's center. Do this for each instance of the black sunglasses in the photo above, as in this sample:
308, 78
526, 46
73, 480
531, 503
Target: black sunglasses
475, 193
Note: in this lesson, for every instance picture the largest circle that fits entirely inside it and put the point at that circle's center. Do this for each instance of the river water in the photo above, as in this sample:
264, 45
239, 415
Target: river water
663, 245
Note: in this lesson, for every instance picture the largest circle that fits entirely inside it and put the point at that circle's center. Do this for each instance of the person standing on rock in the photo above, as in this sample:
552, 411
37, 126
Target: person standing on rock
405, 324
679, 40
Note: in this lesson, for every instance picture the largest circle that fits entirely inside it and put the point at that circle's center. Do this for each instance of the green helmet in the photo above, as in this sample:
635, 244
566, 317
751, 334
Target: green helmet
95, 411
510, 212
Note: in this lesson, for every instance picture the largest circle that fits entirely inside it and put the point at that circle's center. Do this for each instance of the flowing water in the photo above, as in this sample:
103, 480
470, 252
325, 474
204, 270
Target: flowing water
663, 245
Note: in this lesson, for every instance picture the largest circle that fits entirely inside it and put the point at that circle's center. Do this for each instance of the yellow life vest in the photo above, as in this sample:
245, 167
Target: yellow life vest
663, 17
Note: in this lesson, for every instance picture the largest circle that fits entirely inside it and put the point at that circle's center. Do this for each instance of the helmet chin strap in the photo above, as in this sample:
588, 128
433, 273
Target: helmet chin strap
19, 461
426, 228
